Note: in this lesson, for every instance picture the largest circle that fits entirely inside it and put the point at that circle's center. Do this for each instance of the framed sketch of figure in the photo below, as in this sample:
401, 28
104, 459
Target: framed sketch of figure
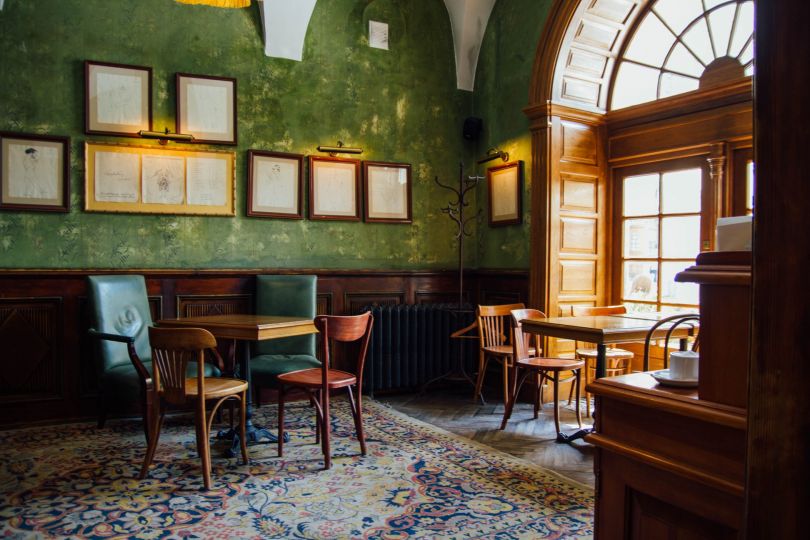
34, 172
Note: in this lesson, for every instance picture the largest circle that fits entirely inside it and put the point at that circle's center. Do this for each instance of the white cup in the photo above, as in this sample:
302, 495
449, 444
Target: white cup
683, 365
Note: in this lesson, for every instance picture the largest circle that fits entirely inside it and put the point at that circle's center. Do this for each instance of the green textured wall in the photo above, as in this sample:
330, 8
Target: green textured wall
502, 84
399, 105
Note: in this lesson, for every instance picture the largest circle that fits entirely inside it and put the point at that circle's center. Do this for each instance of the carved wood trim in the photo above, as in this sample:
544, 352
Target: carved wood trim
194, 305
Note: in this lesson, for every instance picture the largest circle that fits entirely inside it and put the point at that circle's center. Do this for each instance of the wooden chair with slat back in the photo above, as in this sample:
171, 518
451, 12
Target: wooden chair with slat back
173, 350
618, 360
318, 382
494, 333
554, 370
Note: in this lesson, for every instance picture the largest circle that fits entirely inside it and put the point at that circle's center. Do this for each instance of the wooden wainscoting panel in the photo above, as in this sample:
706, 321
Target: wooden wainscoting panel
193, 305
578, 193
31, 368
496, 298
578, 234
439, 297
354, 302
323, 304
577, 277
579, 142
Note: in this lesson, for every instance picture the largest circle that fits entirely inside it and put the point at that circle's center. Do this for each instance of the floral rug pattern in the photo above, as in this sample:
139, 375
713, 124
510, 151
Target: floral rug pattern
78, 481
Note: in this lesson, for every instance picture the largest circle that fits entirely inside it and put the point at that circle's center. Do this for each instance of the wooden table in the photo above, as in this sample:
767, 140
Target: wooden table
245, 328
601, 330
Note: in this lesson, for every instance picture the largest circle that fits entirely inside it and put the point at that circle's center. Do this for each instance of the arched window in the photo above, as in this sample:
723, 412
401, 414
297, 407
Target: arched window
683, 45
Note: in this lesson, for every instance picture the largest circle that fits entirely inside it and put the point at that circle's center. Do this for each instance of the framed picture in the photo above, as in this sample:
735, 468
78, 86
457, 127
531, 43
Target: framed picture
387, 192
117, 99
275, 183
206, 108
34, 172
505, 186
154, 180
334, 188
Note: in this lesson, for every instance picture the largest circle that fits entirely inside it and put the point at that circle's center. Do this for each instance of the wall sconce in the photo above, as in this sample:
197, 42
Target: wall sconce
339, 149
494, 153
166, 136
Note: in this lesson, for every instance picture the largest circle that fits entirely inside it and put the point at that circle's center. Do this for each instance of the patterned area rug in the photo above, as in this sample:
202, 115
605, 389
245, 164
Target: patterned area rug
417, 481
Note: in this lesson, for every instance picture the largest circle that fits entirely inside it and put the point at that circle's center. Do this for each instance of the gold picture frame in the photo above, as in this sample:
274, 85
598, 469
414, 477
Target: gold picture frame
154, 180
505, 189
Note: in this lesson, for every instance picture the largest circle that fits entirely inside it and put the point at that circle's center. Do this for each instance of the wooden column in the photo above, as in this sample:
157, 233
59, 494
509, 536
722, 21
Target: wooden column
778, 473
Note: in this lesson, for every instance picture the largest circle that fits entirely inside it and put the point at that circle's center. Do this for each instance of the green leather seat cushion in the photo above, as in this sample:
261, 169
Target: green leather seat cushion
271, 365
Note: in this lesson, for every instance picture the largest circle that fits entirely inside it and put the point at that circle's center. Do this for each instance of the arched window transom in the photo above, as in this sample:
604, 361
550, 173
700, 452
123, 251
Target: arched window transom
683, 45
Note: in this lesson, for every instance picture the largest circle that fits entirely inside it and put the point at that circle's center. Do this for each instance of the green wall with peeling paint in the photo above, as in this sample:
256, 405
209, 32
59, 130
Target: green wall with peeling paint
399, 105
501, 92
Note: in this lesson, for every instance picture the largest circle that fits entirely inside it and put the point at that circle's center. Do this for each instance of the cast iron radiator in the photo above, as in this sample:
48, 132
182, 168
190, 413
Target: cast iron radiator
411, 345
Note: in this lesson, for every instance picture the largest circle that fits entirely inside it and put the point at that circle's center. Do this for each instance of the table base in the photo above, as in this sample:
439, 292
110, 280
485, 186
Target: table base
254, 435
568, 439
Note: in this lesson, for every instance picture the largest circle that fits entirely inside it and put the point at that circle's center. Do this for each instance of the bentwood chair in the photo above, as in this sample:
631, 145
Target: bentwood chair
553, 370
120, 318
618, 360
290, 296
494, 331
174, 351
319, 382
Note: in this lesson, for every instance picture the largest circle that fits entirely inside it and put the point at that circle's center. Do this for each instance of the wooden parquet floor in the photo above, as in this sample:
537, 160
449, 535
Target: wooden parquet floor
453, 409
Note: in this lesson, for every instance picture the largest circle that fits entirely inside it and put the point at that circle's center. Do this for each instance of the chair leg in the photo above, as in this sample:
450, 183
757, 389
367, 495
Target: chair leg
538, 393
482, 368
325, 420
317, 418
242, 422
510, 405
357, 413
201, 425
280, 442
154, 429
556, 380
587, 395
505, 369
147, 409
578, 382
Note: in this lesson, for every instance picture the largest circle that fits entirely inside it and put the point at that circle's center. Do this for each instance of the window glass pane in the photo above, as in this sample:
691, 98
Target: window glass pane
641, 195
749, 187
748, 54
681, 191
672, 84
749, 70
640, 280
651, 42
743, 29
697, 39
711, 3
641, 238
677, 293
680, 237
678, 13
720, 21
673, 310
632, 307
634, 84
682, 61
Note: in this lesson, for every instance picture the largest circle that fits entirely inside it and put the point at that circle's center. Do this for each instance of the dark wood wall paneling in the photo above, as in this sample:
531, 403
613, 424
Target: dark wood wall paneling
47, 367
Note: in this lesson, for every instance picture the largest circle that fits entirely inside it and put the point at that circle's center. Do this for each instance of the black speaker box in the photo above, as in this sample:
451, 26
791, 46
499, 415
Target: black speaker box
472, 128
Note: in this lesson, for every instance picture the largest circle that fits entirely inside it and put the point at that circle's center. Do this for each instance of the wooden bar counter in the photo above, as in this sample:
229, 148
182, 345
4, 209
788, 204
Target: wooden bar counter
670, 462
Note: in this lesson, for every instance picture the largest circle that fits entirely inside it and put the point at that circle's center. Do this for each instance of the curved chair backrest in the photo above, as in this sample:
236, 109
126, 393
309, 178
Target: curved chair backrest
585, 311
172, 350
690, 319
119, 305
345, 329
287, 296
495, 324
523, 340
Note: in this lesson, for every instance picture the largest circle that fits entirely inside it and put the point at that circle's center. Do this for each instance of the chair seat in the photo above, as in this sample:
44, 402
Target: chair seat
502, 350
314, 377
551, 364
273, 365
609, 353
216, 387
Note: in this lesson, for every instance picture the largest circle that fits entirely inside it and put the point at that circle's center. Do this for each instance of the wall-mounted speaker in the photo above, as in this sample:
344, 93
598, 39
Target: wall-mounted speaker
472, 128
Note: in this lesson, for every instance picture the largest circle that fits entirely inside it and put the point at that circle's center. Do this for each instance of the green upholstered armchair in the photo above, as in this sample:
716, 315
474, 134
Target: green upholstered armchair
287, 296
120, 322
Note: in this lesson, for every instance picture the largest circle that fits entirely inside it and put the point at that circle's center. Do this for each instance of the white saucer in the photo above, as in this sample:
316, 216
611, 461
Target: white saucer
665, 379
